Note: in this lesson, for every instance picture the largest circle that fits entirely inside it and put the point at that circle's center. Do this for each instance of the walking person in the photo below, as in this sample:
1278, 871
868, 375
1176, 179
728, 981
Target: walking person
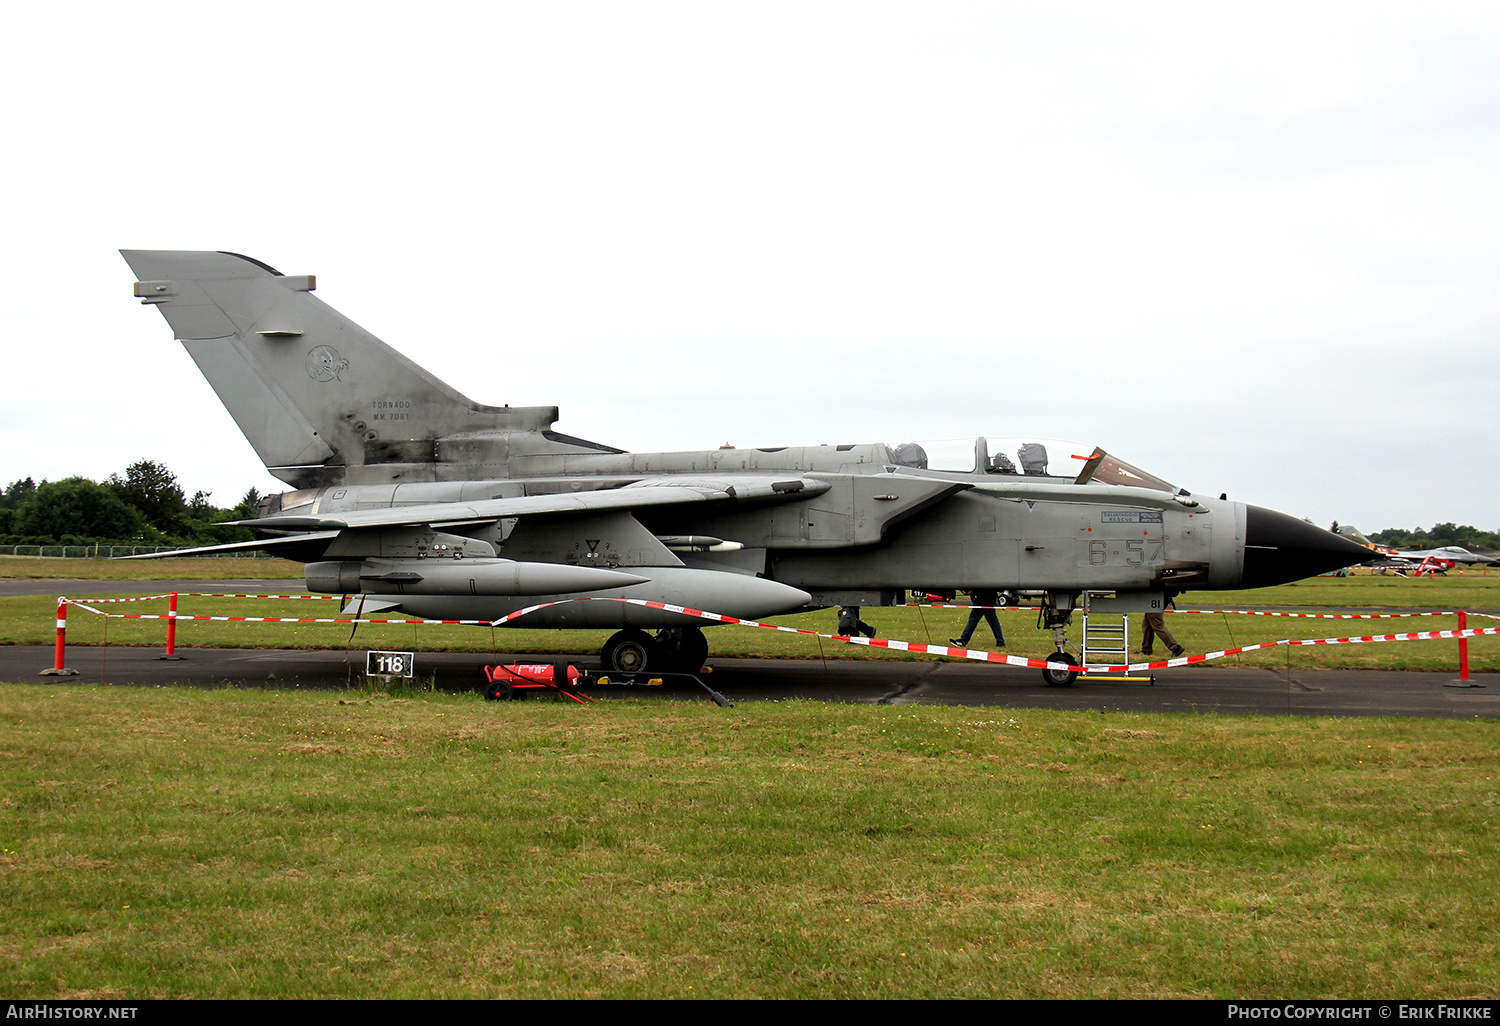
982, 608
1153, 626
851, 626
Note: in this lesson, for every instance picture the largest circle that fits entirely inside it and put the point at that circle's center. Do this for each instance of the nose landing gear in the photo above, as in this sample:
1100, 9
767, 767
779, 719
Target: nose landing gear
1055, 614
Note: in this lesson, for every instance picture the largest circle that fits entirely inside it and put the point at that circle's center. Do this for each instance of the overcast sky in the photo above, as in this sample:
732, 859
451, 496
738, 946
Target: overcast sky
1252, 250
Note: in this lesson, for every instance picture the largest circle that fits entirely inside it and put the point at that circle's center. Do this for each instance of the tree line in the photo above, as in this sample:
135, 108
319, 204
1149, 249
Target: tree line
1466, 535
145, 506
1448, 533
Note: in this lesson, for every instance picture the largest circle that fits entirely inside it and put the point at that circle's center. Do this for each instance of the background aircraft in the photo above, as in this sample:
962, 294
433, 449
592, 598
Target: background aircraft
1443, 558
413, 497
1452, 554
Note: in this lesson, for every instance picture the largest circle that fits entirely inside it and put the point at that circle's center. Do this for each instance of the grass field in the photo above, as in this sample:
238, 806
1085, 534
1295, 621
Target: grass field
190, 843
46, 568
179, 843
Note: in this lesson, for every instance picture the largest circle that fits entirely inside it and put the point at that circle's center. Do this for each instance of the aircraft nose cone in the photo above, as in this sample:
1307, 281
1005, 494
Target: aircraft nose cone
1281, 548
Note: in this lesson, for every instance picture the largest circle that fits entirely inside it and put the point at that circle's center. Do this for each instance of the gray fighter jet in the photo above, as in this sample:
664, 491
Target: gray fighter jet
412, 497
1446, 555
1450, 554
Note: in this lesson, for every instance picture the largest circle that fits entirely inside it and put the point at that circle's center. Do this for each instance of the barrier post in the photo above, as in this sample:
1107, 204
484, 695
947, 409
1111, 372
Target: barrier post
171, 652
1463, 646
57, 669
1462, 680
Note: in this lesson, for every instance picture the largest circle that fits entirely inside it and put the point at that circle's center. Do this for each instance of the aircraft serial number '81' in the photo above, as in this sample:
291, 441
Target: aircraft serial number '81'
450, 509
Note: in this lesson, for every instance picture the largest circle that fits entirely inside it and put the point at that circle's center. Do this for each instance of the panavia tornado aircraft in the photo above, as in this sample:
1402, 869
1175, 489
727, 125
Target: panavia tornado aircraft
409, 496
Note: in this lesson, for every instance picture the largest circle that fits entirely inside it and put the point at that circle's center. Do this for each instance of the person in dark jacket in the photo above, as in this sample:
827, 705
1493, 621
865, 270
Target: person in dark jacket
851, 626
983, 608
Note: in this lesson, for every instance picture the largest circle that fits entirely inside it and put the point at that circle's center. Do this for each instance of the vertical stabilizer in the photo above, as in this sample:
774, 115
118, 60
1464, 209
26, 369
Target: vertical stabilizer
314, 392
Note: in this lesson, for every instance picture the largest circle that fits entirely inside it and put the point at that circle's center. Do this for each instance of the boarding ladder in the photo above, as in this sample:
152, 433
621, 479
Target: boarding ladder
1104, 635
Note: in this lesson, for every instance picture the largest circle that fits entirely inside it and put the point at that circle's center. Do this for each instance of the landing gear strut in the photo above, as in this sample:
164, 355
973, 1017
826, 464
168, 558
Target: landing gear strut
1055, 614
685, 649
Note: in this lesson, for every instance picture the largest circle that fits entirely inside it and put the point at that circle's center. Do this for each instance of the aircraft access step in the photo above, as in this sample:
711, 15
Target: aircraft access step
1106, 638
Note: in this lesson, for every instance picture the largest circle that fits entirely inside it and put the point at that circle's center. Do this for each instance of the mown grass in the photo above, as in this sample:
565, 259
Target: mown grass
186, 843
182, 569
1459, 589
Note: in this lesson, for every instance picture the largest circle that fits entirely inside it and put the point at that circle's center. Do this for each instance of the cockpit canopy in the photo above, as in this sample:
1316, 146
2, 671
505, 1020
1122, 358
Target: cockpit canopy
1025, 457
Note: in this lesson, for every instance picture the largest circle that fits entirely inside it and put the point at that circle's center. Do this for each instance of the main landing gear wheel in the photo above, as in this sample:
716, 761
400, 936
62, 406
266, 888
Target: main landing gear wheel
683, 649
630, 652
1060, 678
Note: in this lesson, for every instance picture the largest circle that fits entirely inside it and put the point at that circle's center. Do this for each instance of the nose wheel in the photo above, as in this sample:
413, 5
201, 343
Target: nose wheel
1060, 678
1055, 614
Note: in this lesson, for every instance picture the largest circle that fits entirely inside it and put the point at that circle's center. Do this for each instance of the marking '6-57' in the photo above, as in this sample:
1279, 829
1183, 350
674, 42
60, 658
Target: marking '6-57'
1137, 552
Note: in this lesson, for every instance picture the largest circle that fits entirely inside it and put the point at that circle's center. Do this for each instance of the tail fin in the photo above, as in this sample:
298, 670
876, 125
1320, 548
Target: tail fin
1352, 533
322, 400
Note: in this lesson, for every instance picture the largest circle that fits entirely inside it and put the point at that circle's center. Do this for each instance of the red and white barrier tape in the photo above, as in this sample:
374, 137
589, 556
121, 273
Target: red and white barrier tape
1325, 616
196, 594
253, 594
981, 655
920, 648
273, 619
